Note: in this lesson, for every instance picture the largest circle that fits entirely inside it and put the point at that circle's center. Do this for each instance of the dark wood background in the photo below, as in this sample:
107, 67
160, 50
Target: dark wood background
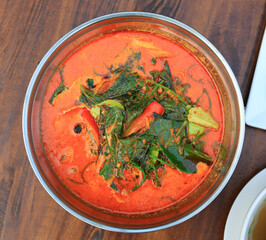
28, 28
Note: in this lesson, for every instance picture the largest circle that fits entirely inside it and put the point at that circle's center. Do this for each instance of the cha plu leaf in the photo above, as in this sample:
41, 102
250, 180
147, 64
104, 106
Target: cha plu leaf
198, 116
164, 129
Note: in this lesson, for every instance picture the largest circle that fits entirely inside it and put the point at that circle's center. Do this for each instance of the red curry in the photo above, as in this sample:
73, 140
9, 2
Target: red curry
79, 141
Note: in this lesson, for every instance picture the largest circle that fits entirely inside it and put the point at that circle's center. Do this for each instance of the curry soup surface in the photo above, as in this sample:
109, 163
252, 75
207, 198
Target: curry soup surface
71, 150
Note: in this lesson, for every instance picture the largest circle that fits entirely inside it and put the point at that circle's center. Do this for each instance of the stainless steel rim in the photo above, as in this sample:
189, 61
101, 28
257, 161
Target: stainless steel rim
25, 120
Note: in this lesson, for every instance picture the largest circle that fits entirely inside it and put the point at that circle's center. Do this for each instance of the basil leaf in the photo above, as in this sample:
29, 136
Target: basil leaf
164, 129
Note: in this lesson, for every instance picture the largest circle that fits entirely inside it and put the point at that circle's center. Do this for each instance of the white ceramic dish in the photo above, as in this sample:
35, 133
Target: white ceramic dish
241, 206
251, 213
255, 110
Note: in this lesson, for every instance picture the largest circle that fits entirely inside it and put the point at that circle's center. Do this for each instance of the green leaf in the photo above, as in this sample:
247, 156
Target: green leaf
96, 110
143, 178
153, 61
195, 129
196, 156
113, 186
155, 178
198, 116
137, 56
164, 130
112, 103
113, 120
130, 64
124, 85
90, 83
135, 148
180, 97
165, 75
107, 170
61, 88
134, 110
153, 153
173, 155
171, 107
61, 69
89, 98
166, 142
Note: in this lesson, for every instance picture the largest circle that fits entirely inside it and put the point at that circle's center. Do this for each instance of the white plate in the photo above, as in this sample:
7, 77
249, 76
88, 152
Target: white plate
242, 204
250, 217
255, 110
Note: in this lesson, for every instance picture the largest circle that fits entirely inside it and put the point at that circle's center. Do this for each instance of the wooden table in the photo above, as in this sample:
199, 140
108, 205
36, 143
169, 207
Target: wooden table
29, 28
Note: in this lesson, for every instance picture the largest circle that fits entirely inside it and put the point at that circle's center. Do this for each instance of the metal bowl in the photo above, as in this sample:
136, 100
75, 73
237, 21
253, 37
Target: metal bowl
197, 45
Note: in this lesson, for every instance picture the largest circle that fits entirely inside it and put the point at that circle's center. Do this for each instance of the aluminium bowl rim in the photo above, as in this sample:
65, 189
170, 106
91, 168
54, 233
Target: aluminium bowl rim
164, 19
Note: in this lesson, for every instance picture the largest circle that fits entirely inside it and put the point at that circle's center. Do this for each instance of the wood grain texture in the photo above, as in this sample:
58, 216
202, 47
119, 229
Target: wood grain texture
29, 28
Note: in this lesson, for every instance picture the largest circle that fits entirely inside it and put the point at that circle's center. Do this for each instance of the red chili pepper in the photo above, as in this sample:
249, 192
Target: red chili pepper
91, 124
144, 118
